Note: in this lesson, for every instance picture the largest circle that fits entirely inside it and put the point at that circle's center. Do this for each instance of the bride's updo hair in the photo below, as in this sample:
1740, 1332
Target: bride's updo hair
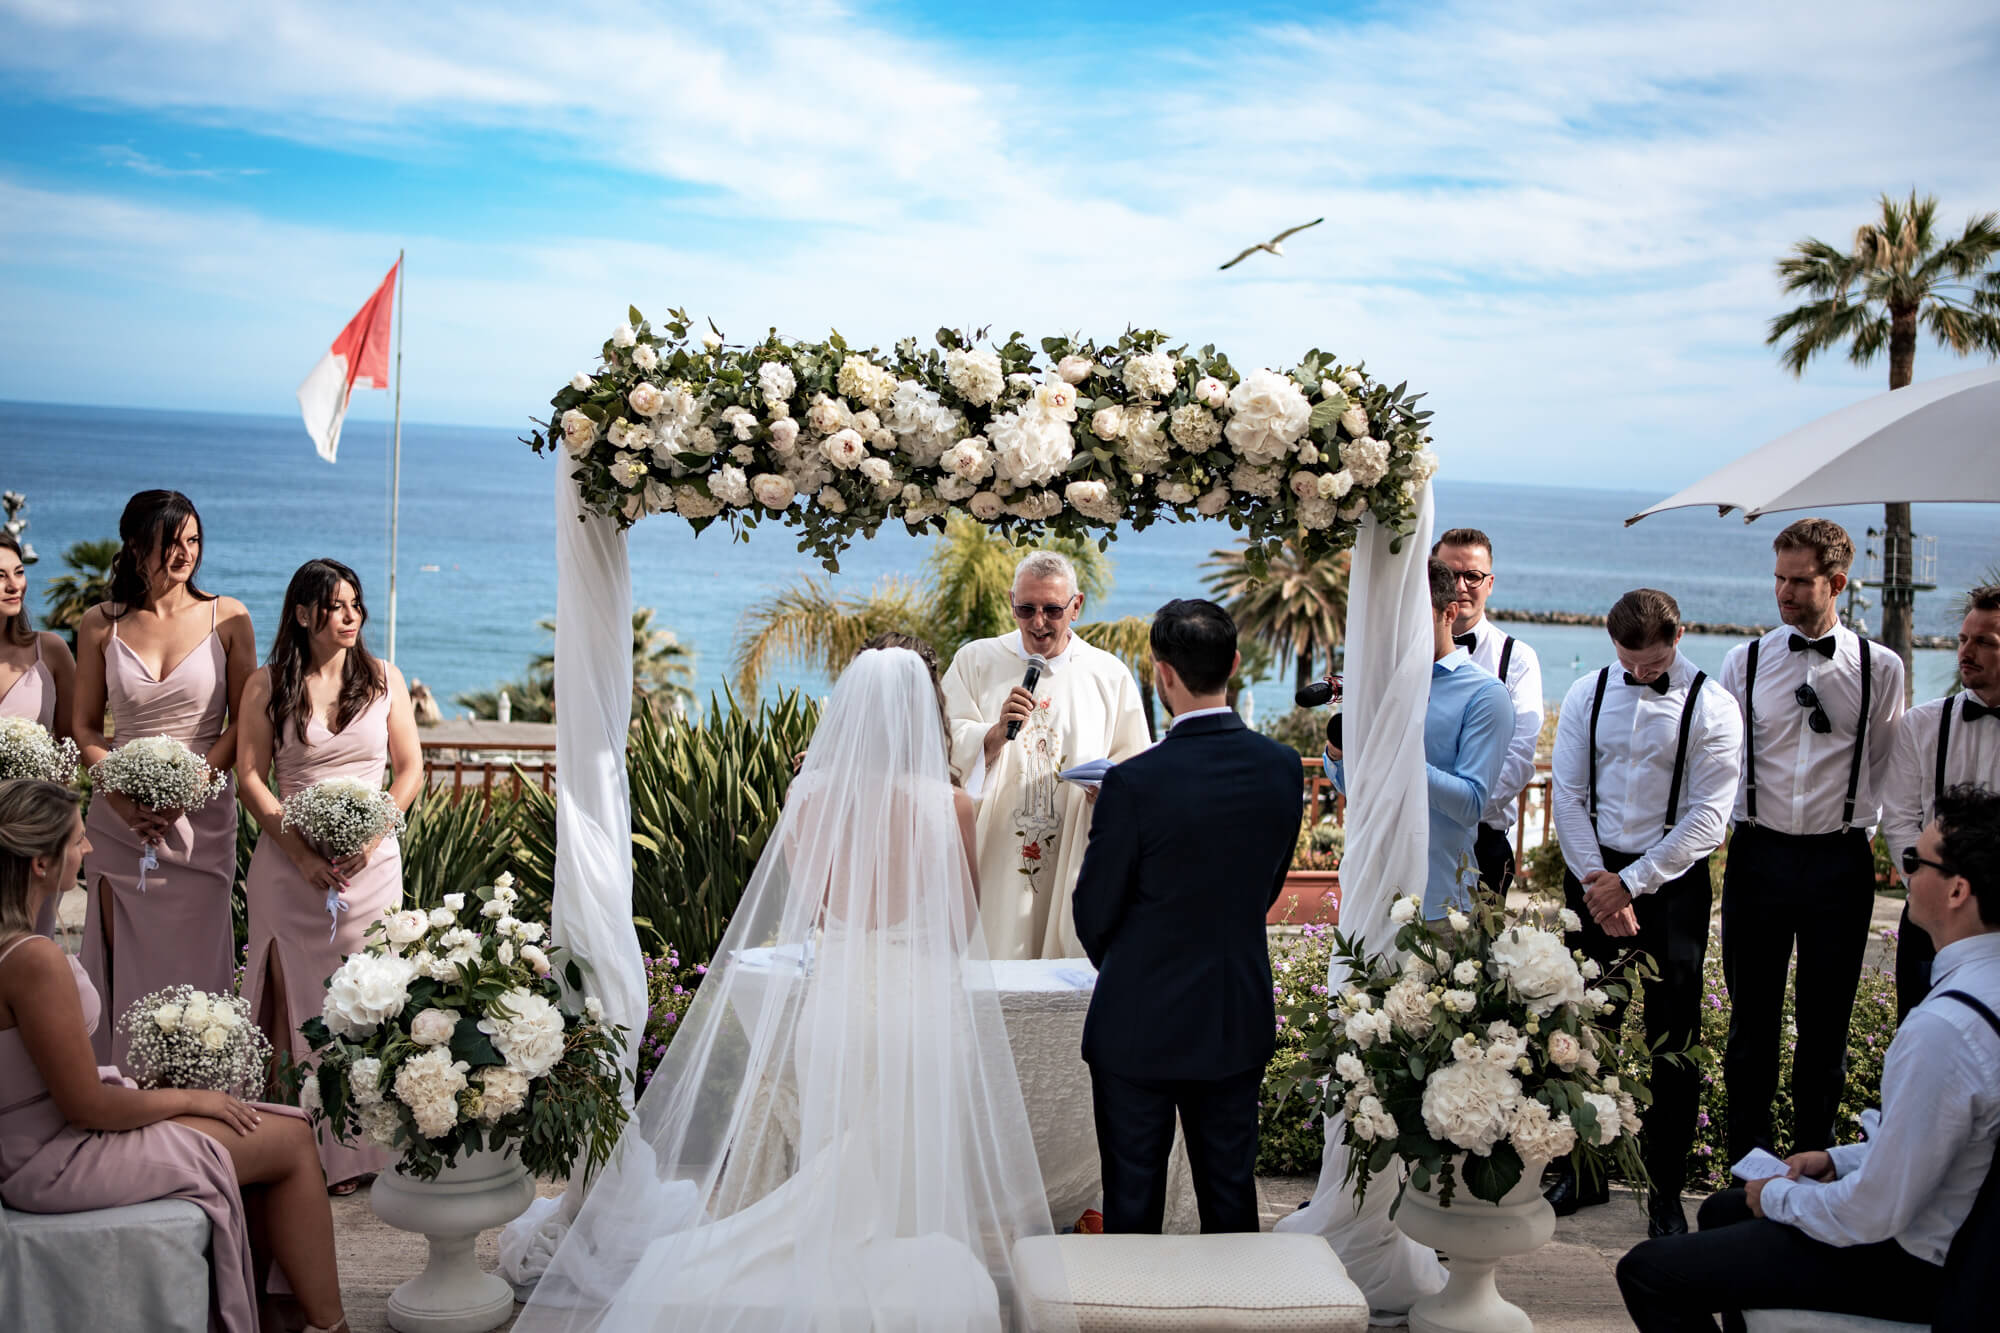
922, 648
36, 819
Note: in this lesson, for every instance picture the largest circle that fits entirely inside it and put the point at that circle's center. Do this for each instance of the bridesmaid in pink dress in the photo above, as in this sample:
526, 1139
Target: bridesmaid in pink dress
37, 673
167, 658
74, 1136
320, 707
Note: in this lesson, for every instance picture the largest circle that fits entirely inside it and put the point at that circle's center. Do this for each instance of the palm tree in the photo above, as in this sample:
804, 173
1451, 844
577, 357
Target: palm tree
965, 595
1130, 640
89, 582
1299, 607
1900, 275
529, 699
662, 666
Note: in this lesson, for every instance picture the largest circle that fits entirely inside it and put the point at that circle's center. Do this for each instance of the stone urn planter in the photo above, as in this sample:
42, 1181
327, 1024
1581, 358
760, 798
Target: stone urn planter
453, 1294
1477, 1235
1310, 897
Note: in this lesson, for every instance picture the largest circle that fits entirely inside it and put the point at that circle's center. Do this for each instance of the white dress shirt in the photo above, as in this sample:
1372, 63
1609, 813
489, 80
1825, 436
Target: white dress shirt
1524, 687
1638, 736
1915, 1180
1972, 754
1217, 711
1802, 774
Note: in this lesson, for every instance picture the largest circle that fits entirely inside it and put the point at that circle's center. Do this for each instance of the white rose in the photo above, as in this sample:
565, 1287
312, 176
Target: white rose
984, 506
1564, 1050
1403, 911
1349, 1067
581, 382
1074, 369
533, 956
1269, 413
1309, 455
1211, 392
1107, 423
1570, 920
1591, 971
1335, 485
646, 399
167, 1018
1351, 380
433, 1027
1466, 973
1595, 1000
773, 491
844, 448
214, 1037
1458, 921
877, 470
1366, 460
623, 336
454, 901
593, 1008
1305, 485
505, 953
1470, 1105
644, 357
1460, 1001
831, 500
406, 927
579, 432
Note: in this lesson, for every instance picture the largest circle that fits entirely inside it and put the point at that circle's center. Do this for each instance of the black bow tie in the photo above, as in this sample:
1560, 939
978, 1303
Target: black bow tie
1824, 647
1972, 710
1659, 684
1467, 640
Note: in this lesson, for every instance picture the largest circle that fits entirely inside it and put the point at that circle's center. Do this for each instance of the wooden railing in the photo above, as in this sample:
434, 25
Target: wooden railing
460, 772
1323, 802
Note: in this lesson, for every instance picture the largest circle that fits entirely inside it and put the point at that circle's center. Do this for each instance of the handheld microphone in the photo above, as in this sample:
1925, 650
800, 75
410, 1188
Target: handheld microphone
1036, 665
1317, 693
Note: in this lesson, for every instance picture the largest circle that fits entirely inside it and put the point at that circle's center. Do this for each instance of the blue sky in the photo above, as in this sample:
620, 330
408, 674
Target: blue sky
1558, 219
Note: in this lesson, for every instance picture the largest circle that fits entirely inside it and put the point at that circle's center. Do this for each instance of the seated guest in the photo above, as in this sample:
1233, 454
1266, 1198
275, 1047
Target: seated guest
1941, 744
75, 1137
1468, 726
1864, 1228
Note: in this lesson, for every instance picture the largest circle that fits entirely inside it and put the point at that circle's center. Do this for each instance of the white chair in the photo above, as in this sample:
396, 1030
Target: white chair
1818, 1321
143, 1266
1184, 1284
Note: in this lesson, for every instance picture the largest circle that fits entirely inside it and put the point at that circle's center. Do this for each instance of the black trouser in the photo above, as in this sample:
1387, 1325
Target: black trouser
1737, 1261
1494, 851
1817, 890
1673, 929
1135, 1137
1914, 955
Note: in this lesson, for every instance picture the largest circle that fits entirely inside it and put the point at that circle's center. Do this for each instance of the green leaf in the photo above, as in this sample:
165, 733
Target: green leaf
633, 317
1324, 414
1490, 1178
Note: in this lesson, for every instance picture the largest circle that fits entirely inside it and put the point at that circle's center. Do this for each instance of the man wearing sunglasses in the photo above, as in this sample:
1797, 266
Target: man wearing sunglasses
1943, 743
1902, 1226
1468, 553
1821, 707
1031, 826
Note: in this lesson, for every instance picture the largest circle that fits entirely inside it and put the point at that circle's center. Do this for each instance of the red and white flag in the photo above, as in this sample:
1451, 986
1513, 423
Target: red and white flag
360, 355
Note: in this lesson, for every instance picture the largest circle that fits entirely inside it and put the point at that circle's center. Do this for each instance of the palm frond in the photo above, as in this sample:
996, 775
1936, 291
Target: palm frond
807, 623
1129, 639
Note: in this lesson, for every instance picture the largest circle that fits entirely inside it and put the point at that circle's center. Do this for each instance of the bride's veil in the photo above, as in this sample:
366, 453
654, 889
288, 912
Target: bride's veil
836, 1137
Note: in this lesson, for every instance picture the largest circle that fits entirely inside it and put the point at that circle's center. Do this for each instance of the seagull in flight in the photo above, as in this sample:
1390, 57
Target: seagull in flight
1275, 245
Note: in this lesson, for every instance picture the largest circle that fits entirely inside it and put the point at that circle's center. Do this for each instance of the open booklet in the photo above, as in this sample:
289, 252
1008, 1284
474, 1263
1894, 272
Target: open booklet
1089, 774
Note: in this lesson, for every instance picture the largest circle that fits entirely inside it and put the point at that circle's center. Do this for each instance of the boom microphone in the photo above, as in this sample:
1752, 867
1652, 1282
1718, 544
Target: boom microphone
1317, 693
1037, 664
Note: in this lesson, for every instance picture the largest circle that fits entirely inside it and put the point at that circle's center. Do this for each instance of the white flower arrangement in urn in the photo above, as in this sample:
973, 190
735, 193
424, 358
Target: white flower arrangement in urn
1073, 438
447, 1035
1479, 1053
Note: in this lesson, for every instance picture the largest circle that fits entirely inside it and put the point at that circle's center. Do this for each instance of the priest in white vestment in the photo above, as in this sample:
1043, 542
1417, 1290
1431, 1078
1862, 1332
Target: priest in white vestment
1032, 827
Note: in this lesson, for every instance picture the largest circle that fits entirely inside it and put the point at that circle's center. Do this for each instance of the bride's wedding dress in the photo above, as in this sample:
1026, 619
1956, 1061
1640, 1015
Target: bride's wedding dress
836, 1138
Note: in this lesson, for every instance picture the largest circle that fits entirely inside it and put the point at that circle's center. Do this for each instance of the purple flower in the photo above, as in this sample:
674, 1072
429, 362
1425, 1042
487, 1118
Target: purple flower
671, 1017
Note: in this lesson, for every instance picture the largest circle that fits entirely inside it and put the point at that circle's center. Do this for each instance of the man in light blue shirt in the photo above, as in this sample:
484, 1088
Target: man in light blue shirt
1467, 728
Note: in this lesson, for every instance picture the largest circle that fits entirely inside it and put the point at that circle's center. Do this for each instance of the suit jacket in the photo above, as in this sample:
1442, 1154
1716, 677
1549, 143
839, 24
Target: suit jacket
1189, 847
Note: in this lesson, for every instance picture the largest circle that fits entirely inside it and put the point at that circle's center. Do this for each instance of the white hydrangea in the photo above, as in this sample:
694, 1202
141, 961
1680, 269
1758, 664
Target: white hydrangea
530, 1039
1259, 481
503, 1091
1408, 1005
729, 485
776, 381
1150, 375
976, 375
693, 503
1268, 413
1194, 427
1029, 447
1470, 1105
1144, 447
1365, 459
1093, 499
1609, 1120
429, 1083
1538, 969
366, 990
919, 423
379, 1124
1036, 505
1175, 492
861, 380
1537, 1136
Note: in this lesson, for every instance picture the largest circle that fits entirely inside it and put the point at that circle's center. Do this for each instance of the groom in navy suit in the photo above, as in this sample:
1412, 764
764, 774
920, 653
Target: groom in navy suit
1189, 846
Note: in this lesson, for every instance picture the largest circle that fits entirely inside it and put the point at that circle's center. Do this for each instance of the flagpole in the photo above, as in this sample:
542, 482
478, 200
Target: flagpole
396, 455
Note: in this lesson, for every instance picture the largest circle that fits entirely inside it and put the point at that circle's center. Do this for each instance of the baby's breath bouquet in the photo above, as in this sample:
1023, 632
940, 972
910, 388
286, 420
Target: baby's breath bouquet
27, 750
186, 1038
1474, 1052
159, 773
447, 1034
342, 816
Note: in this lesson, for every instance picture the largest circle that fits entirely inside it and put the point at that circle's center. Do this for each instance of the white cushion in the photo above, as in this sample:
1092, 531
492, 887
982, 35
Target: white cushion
98, 1271
1818, 1321
1185, 1284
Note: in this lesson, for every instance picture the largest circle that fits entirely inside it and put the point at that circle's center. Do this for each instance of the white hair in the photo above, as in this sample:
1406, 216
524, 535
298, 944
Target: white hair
1046, 565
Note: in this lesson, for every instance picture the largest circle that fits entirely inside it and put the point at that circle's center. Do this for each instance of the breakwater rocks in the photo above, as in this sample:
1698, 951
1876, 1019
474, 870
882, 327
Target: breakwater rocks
1945, 641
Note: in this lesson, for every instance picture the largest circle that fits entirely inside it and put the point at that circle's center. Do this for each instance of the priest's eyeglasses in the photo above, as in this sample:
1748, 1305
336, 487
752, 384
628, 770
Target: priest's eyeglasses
1808, 697
1911, 861
1027, 613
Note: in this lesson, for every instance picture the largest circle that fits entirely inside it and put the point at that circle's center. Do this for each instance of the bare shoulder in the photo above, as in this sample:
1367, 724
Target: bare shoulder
257, 688
56, 652
229, 611
93, 623
392, 680
32, 966
963, 803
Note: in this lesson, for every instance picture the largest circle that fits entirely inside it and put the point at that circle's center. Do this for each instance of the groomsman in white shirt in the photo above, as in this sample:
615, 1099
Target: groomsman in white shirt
1941, 744
1820, 707
1645, 771
1468, 553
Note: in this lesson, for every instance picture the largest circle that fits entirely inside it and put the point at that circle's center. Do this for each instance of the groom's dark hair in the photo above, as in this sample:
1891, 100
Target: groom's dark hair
1198, 640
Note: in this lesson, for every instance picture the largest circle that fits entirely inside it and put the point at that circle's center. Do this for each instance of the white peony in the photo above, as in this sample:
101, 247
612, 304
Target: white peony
878, 470
1029, 448
1056, 397
1366, 459
405, 927
365, 990
1194, 428
976, 375
530, 1039
1210, 391
844, 448
623, 336
776, 381
644, 357
1539, 970
1470, 1105
984, 506
433, 1027
1564, 1050
1108, 423
1150, 375
729, 485
1537, 1136
1609, 1120
969, 459
1093, 499
784, 435
532, 955
1268, 415
827, 415
1404, 910
1074, 369
579, 432
646, 399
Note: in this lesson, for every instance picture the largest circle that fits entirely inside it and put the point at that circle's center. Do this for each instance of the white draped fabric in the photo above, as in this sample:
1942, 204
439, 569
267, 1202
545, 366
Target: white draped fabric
1387, 688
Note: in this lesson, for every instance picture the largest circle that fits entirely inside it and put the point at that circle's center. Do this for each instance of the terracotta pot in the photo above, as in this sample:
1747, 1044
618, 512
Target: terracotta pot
1310, 897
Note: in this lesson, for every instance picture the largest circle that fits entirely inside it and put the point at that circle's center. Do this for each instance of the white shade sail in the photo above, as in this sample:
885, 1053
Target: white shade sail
1929, 442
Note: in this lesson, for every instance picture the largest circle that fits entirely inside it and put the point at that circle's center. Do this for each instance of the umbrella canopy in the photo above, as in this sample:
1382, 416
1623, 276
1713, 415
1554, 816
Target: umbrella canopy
1935, 441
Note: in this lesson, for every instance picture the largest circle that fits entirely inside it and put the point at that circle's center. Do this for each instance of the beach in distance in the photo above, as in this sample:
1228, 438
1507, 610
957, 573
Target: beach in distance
477, 564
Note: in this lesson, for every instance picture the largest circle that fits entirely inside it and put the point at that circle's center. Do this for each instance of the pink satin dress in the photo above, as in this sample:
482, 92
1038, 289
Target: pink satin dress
48, 1165
33, 696
177, 929
289, 923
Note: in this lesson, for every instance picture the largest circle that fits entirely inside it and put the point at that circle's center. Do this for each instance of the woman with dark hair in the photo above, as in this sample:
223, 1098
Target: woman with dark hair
37, 673
167, 659
73, 1140
320, 707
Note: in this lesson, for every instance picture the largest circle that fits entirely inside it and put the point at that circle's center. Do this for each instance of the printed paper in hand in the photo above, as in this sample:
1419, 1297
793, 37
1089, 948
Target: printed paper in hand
1089, 774
1758, 1165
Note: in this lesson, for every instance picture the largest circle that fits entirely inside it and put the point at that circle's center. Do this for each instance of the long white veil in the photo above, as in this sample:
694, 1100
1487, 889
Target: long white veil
836, 1138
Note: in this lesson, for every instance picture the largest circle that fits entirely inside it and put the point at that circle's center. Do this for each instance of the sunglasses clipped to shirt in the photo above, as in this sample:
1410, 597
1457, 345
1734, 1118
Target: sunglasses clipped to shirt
1808, 697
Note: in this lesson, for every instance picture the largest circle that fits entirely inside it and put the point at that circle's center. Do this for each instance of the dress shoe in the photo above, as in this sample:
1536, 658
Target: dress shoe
1665, 1216
1566, 1193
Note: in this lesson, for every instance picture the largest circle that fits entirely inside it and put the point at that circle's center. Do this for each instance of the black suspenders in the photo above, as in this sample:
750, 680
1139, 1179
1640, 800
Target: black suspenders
1860, 738
1680, 753
1506, 656
1944, 743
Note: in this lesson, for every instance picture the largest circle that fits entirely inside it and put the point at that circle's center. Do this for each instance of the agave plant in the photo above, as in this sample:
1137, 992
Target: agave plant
458, 846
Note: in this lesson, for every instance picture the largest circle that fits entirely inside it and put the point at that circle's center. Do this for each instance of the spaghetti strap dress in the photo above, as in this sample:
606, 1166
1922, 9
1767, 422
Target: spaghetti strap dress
33, 696
176, 930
